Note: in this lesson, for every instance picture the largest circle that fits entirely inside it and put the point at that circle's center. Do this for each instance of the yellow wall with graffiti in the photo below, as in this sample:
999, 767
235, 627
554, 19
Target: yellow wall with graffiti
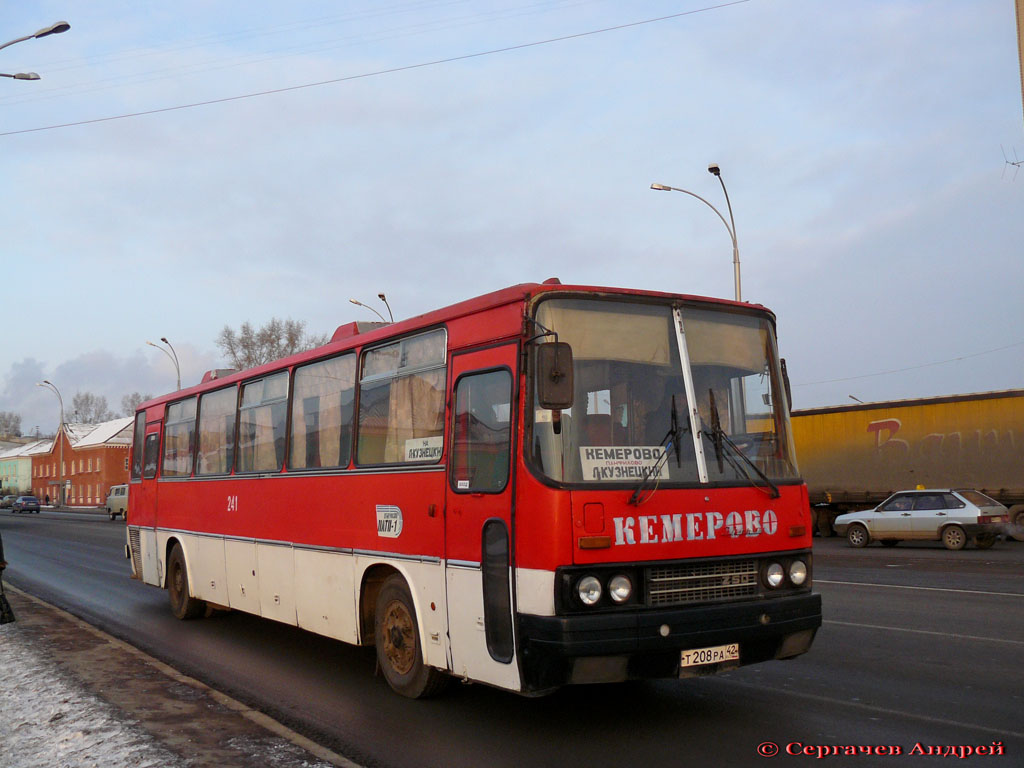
868, 451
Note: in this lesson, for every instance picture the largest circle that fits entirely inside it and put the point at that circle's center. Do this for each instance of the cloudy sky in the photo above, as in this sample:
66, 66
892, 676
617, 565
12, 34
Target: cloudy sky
445, 148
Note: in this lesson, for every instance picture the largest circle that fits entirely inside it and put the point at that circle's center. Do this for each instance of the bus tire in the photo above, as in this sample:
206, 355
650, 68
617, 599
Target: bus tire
397, 637
183, 605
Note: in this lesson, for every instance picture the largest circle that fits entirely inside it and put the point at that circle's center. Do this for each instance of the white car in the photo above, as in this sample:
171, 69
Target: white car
952, 516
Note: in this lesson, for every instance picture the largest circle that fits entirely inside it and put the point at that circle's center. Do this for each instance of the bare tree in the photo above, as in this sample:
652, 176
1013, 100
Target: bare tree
130, 402
88, 408
10, 424
248, 347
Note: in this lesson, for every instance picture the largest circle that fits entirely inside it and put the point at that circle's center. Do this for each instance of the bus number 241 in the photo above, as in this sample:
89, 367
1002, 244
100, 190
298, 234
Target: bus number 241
232, 503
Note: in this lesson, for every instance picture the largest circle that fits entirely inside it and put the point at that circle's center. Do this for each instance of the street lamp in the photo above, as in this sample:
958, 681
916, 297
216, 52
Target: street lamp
174, 357
53, 29
60, 466
367, 306
730, 228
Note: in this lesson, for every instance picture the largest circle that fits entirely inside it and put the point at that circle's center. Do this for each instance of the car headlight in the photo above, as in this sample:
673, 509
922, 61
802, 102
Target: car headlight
774, 575
620, 588
798, 572
589, 590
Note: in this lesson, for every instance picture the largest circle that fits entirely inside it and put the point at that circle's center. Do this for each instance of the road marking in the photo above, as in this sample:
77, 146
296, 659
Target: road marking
924, 632
923, 589
1002, 732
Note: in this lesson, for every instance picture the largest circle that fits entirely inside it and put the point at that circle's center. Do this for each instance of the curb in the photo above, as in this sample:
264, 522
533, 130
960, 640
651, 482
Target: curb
256, 717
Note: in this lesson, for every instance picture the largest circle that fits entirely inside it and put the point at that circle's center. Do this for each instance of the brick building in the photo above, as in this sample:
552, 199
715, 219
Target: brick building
86, 459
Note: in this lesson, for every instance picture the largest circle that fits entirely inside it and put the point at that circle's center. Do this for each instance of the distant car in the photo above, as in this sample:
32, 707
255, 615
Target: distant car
7, 501
25, 504
117, 501
952, 516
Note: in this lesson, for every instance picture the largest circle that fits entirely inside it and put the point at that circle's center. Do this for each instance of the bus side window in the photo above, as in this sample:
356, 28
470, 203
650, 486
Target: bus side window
216, 452
179, 438
401, 401
152, 456
262, 419
322, 411
137, 443
480, 452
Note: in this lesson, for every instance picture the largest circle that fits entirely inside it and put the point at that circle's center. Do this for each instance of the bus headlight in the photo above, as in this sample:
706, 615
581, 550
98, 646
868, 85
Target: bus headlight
774, 575
589, 590
620, 588
798, 572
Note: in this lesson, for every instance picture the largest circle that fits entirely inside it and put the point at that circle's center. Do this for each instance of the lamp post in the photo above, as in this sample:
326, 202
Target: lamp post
367, 306
174, 356
730, 228
60, 461
53, 29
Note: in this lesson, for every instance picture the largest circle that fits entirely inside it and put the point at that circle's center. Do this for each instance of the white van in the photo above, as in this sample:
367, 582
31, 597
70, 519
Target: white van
117, 501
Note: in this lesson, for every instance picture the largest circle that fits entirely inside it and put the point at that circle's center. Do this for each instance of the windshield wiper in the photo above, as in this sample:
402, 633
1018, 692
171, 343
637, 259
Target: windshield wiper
721, 440
670, 440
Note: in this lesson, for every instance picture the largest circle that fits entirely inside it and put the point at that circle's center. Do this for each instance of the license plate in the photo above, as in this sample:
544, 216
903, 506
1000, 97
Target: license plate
713, 655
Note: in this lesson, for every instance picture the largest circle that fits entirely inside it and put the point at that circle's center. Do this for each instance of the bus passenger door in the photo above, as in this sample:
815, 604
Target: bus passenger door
478, 516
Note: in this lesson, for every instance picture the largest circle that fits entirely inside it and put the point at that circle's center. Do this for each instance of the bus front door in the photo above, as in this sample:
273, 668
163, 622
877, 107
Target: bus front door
478, 515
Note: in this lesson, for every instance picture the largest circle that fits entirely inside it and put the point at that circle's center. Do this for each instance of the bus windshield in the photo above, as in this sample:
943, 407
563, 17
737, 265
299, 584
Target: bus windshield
639, 402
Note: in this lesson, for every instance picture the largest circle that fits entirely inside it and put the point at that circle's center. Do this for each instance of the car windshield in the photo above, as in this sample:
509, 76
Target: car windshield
631, 386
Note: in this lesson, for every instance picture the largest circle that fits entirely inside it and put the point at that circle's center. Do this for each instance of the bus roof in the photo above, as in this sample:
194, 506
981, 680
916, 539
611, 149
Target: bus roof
348, 336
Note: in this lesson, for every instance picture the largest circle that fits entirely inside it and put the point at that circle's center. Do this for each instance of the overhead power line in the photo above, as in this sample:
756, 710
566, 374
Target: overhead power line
912, 367
376, 73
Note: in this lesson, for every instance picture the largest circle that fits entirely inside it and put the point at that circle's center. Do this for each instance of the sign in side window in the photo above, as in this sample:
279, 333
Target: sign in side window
216, 455
179, 438
482, 432
401, 401
137, 441
323, 400
262, 424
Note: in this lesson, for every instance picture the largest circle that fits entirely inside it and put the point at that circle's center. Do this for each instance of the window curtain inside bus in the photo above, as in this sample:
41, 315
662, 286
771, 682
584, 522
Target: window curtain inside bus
217, 432
179, 438
262, 422
401, 406
322, 414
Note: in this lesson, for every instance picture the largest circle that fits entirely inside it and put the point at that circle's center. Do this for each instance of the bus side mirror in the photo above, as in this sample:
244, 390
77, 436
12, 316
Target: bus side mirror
785, 383
554, 375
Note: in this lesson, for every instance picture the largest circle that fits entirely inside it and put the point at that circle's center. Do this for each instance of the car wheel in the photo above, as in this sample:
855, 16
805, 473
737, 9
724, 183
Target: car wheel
183, 605
984, 540
953, 537
890, 542
397, 638
858, 536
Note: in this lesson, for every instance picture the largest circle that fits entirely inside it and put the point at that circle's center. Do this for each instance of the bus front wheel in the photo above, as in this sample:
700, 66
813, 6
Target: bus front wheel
397, 638
183, 605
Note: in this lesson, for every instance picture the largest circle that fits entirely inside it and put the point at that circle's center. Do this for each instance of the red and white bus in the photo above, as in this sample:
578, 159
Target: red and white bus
545, 485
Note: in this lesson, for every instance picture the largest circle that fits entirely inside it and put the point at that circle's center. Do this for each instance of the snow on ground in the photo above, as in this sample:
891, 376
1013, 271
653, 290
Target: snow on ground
47, 720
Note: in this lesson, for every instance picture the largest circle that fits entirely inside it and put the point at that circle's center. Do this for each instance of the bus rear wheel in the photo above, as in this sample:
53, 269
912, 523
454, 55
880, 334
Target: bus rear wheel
183, 605
397, 637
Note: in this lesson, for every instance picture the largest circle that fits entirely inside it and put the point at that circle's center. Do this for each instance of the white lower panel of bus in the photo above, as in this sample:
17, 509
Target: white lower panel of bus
315, 589
470, 657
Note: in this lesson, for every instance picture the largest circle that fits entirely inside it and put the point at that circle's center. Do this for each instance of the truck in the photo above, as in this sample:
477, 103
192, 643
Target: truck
855, 456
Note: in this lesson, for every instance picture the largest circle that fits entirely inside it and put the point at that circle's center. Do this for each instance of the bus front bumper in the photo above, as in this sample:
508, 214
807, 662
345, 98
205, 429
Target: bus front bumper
612, 647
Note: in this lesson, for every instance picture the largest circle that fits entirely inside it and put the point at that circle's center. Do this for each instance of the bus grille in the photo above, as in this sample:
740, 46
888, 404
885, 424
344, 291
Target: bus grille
701, 582
136, 544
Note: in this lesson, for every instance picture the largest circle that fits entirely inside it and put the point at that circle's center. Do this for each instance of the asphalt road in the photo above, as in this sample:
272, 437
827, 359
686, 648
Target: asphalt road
920, 646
